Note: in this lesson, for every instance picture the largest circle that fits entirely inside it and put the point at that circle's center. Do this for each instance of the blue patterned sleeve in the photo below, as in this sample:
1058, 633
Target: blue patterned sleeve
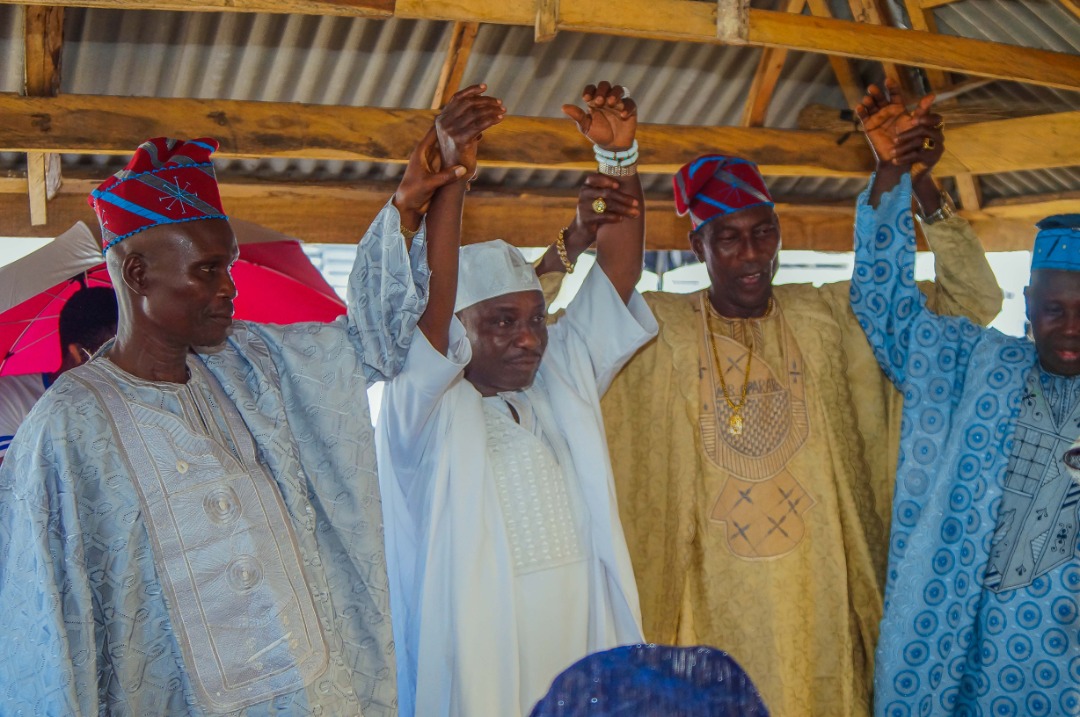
891, 309
387, 293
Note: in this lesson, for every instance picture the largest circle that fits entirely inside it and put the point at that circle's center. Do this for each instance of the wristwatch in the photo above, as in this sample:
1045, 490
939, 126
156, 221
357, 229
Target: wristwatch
944, 211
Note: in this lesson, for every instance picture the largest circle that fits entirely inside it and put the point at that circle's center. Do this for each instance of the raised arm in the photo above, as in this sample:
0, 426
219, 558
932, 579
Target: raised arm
884, 297
609, 121
458, 128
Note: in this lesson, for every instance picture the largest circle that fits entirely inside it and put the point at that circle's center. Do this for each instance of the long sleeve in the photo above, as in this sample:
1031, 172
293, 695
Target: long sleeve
965, 283
387, 293
887, 302
598, 328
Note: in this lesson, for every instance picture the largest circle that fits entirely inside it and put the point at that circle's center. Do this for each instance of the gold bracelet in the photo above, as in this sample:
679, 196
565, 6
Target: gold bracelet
409, 234
560, 246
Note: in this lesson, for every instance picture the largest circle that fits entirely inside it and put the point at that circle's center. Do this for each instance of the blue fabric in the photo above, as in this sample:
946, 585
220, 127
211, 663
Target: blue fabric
949, 645
1057, 245
653, 681
86, 627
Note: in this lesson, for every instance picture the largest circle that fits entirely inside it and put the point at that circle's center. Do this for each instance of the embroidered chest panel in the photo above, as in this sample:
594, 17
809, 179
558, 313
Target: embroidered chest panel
535, 500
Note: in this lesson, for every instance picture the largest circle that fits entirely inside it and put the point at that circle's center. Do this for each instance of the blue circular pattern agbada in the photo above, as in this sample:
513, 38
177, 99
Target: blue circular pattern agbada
949, 644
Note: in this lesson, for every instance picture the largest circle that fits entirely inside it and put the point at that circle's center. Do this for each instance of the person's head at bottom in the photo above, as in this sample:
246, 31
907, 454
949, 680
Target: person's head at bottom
501, 306
1053, 295
87, 320
653, 681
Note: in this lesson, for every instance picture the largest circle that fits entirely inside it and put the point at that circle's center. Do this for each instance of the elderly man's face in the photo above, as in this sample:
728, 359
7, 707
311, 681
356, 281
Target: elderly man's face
741, 252
189, 290
1053, 308
509, 336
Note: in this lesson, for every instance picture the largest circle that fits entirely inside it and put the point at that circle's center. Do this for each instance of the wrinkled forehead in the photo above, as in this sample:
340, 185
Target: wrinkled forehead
1058, 282
198, 240
741, 220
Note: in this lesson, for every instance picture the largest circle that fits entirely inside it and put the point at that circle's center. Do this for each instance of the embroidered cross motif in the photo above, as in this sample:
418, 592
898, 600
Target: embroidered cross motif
175, 193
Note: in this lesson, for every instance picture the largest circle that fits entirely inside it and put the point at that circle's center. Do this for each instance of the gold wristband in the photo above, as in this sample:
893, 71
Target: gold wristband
560, 247
612, 170
409, 234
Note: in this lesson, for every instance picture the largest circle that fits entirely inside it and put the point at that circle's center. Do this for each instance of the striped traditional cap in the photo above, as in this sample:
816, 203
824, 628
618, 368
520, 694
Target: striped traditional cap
717, 184
167, 181
1057, 245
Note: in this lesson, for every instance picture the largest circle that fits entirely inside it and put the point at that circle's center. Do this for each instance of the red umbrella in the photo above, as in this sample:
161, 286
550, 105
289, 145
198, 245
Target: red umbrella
275, 280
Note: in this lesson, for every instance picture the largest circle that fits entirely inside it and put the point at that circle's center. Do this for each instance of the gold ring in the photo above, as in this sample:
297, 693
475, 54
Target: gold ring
928, 144
940, 125
599, 205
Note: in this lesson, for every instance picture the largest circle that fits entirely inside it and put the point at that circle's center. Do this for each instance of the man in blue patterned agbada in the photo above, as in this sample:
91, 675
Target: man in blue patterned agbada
188, 530
984, 567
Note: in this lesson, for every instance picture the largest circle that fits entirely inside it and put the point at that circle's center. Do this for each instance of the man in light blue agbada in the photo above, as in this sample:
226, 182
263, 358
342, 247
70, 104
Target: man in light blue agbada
984, 567
188, 530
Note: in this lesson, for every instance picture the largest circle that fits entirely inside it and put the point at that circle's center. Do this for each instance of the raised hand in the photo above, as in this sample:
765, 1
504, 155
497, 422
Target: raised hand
884, 118
447, 152
461, 124
609, 118
421, 180
617, 206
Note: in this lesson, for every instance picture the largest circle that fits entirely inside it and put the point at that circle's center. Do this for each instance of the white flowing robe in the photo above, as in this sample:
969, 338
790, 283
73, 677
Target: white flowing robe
88, 626
457, 612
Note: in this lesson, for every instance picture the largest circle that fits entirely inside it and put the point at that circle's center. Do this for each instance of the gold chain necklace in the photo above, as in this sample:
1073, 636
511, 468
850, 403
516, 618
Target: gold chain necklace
735, 422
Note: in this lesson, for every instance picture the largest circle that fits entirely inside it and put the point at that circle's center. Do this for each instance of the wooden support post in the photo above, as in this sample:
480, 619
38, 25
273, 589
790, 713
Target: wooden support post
462, 36
733, 21
967, 186
547, 20
43, 33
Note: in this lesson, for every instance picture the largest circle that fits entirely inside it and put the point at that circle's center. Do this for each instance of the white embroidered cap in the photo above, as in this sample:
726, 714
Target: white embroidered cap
490, 269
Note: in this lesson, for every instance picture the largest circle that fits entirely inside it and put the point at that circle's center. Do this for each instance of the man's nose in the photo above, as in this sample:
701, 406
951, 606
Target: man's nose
228, 286
528, 338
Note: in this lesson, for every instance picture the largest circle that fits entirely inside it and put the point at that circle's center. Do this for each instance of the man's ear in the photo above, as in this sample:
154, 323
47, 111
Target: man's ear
134, 270
696, 245
75, 354
1027, 302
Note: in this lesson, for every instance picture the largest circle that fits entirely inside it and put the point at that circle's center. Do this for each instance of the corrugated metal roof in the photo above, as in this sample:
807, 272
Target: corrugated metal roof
395, 63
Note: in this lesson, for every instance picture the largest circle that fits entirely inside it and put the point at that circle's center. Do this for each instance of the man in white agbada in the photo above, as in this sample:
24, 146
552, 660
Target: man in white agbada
188, 531
507, 559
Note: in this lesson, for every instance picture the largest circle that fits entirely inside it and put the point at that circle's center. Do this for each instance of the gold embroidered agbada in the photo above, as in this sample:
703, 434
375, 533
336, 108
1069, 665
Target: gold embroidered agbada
771, 544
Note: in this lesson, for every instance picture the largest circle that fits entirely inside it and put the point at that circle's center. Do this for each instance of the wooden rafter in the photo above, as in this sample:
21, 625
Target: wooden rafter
115, 125
874, 12
462, 36
922, 18
1072, 6
928, 4
43, 33
336, 213
767, 74
681, 20
845, 73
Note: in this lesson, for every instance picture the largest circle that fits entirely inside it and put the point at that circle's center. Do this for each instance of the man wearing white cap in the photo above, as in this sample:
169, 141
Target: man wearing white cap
508, 562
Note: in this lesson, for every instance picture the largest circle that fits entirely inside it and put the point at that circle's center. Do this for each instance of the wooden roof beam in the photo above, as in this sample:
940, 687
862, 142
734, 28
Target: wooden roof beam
85, 124
682, 20
767, 74
335, 213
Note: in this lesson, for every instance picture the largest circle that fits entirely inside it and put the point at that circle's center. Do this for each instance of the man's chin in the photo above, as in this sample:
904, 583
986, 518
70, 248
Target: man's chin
213, 344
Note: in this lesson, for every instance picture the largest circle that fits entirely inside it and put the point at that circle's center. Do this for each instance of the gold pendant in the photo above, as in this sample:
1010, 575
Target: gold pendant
735, 425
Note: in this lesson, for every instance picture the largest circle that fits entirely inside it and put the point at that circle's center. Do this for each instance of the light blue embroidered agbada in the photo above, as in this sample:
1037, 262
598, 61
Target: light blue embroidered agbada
160, 576
984, 567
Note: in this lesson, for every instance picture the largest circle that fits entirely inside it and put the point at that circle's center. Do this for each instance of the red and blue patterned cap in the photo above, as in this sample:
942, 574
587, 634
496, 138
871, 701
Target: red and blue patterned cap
715, 185
167, 181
